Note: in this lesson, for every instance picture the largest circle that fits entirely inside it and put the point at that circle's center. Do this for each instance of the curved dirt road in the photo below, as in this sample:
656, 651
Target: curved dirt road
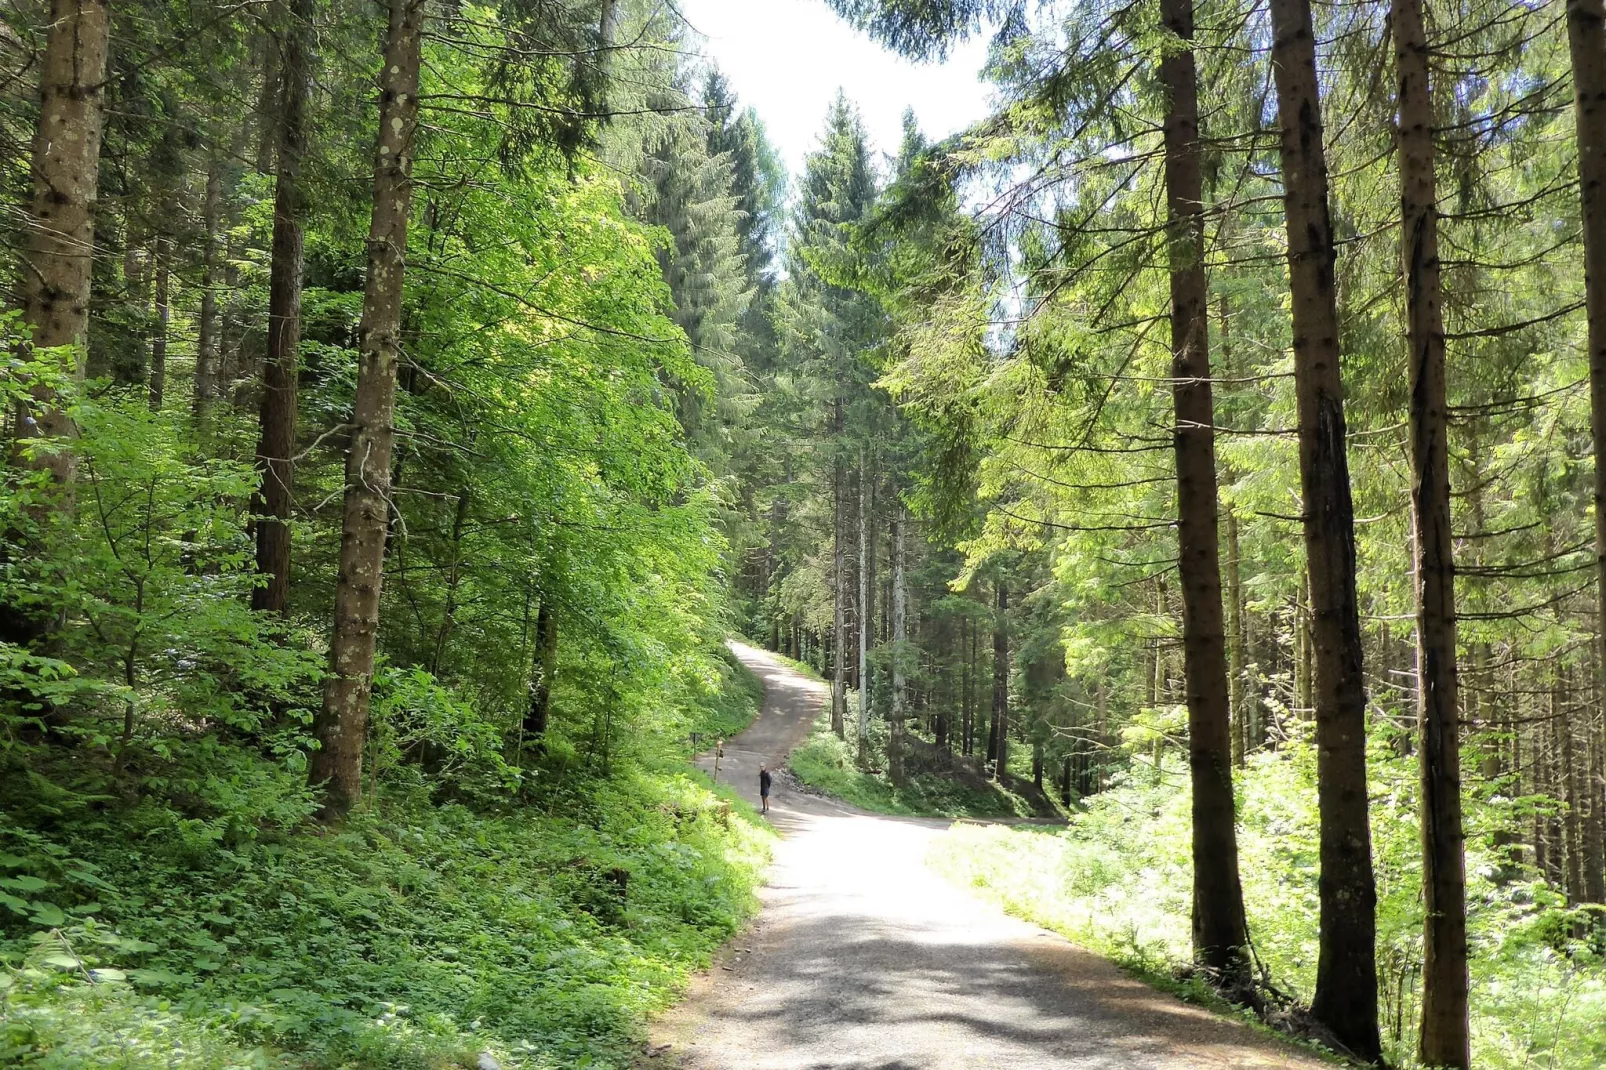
863, 959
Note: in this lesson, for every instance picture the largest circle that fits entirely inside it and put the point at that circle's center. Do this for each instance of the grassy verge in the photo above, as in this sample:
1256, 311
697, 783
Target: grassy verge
830, 765
1118, 881
418, 935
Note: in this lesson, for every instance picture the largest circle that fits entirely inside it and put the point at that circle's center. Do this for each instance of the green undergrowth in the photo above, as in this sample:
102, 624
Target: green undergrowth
830, 765
212, 925
1118, 881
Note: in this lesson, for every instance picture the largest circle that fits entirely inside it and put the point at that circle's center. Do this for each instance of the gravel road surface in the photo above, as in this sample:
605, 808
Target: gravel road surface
863, 959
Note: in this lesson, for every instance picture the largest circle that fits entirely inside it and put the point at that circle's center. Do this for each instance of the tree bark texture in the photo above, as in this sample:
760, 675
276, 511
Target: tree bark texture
1586, 40
1345, 1000
157, 380
1566, 730
1219, 929
900, 624
1595, 820
1235, 643
342, 723
56, 263
546, 665
866, 602
208, 349
999, 746
839, 624
276, 445
1444, 1037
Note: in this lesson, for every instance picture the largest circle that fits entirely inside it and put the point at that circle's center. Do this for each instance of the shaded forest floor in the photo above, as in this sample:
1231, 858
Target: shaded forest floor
937, 783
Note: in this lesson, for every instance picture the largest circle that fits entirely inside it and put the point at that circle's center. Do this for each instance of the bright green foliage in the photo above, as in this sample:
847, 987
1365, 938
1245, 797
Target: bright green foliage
531, 897
419, 930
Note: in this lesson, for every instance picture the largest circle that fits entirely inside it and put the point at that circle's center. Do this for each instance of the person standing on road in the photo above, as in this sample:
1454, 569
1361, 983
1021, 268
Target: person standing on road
764, 780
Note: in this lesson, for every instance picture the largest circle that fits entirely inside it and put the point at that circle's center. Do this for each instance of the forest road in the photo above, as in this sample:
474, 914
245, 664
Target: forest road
864, 959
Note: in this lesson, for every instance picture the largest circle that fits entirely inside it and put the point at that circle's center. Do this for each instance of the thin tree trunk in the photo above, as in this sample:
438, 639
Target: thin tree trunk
276, 445
1235, 644
1571, 824
1219, 929
268, 103
207, 349
157, 382
1535, 785
999, 748
1595, 826
900, 611
342, 723
545, 669
1555, 845
839, 646
454, 580
55, 275
1586, 39
866, 607
1444, 1038
1345, 1000
966, 657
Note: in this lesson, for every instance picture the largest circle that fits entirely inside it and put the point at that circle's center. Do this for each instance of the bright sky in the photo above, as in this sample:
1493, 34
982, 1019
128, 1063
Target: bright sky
787, 58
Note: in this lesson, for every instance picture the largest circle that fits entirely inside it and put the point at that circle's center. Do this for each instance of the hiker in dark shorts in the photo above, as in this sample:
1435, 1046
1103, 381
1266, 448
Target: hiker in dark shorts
764, 789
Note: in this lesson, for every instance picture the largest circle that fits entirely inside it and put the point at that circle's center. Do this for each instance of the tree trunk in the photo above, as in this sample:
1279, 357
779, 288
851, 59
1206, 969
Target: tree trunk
454, 580
267, 104
839, 646
1595, 824
276, 445
1572, 795
967, 657
900, 611
1586, 39
546, 664
1219, 929
866, 602
998, 748
342, 723
207, 348
1236, 661
157, 382
1444, 1038
55, 275
1345, 1000
1555, 867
